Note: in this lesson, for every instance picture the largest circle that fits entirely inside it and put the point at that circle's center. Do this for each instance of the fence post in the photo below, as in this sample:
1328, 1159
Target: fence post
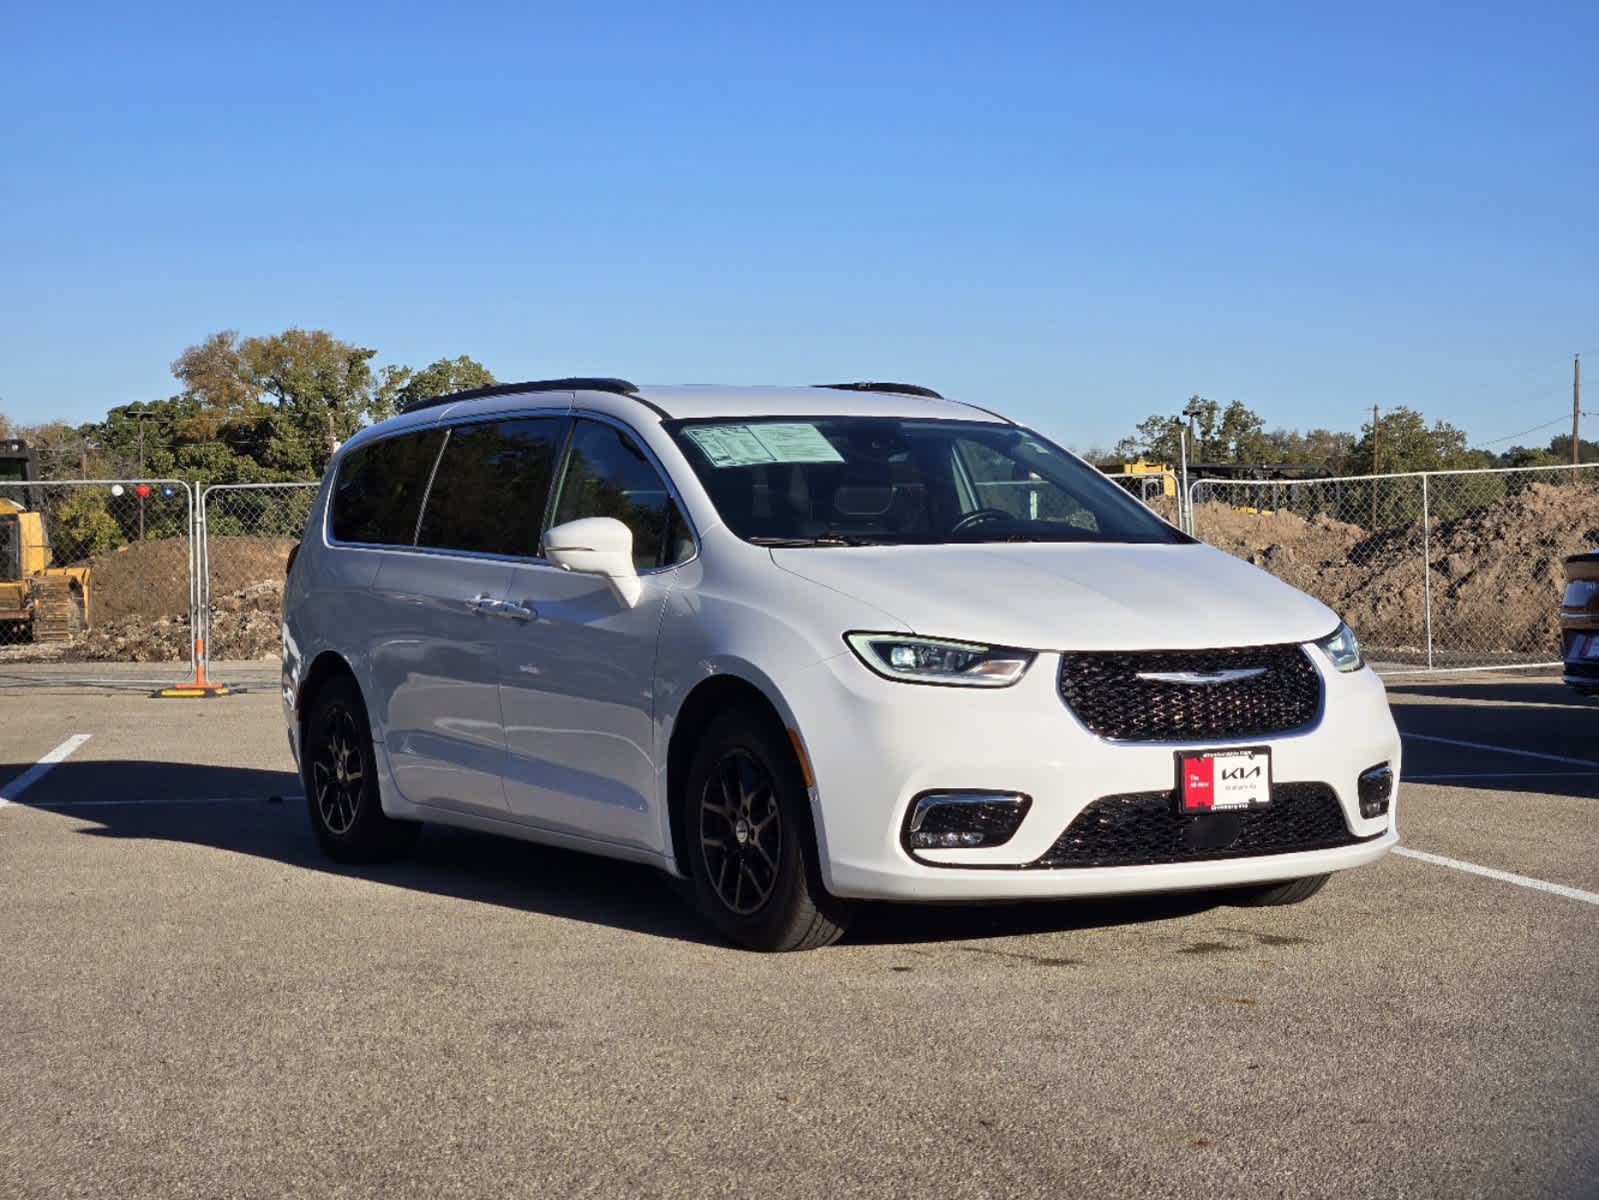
1426, 564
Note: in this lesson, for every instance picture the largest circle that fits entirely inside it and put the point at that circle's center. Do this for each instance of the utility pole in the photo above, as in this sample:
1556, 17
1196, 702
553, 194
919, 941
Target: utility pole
1576, 406
1376, 426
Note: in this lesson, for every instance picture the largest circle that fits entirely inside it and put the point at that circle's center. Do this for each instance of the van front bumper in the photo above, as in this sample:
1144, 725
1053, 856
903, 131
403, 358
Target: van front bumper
875, 745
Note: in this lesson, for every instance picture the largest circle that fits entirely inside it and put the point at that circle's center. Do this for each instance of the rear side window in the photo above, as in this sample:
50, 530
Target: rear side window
607, 475
380, 487
491, 486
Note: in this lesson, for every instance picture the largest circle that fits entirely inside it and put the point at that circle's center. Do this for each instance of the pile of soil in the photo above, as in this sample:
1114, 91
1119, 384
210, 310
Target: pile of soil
241, 562
143, 579
139, 602
1496, 573
244, 624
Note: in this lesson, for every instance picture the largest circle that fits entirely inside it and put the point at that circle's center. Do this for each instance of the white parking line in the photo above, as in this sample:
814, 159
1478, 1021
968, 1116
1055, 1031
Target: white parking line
1559, 758
40, 769
1539, 885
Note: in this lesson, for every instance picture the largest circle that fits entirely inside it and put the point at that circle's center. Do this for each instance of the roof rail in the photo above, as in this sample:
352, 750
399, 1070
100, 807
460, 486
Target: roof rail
620, 387
903, 389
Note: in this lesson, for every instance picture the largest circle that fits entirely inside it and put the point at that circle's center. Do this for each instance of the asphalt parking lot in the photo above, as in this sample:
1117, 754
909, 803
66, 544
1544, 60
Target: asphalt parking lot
194, 1003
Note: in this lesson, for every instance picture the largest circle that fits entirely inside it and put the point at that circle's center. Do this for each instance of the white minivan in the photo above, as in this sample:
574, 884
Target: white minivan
803, 646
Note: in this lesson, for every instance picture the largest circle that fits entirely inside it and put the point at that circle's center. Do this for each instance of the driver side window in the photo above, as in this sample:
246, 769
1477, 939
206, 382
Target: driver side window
608, 475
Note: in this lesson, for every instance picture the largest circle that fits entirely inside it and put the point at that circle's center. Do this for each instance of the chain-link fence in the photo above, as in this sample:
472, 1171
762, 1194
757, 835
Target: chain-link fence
1442, 569
1157, 489
1433, 570
97, 570
247, 531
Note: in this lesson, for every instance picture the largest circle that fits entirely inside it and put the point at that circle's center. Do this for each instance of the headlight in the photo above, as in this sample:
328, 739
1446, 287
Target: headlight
932, 660
1342, 650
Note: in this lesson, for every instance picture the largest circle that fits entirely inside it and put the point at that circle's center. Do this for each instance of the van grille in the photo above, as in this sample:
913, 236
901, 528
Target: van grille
1105, 691
1145, 828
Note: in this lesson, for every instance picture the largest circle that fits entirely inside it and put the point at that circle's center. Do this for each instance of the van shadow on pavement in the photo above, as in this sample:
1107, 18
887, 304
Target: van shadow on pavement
262, 813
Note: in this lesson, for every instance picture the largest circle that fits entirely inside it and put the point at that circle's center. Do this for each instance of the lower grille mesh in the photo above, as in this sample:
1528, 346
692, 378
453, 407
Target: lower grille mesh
1144, 828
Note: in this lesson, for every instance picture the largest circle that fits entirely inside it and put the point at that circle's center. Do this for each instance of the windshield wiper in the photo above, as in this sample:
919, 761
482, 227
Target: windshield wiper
821, 539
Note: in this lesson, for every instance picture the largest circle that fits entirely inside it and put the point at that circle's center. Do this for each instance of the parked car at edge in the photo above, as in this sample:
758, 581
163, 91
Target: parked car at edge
810, 646
1579, 623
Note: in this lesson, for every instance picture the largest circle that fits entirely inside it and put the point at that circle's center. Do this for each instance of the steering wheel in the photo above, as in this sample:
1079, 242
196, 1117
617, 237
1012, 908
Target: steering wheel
978, 516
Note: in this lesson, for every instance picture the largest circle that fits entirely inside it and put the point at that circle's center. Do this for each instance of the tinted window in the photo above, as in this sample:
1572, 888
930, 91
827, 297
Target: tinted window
607, 475
380, 486
489, 491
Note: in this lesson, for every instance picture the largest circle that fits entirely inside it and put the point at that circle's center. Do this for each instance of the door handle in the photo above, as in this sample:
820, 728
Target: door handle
490, 606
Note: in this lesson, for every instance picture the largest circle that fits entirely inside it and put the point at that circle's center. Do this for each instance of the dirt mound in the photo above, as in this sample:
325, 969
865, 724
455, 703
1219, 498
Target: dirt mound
143, 579
1496, 573
151, 579
241, 562
244, 624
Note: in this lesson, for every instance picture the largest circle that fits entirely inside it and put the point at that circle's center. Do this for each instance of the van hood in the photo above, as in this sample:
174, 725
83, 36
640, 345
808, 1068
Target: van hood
1071, 596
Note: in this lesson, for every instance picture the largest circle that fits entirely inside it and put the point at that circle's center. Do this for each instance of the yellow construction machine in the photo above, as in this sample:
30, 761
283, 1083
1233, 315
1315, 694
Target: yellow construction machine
44, 603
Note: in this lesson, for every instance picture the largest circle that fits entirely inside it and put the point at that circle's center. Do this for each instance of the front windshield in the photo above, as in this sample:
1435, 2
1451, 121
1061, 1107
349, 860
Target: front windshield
888, 480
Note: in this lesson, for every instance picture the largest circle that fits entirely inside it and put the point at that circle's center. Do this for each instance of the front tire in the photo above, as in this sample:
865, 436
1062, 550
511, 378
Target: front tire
338, 767
751, 847
1294, 891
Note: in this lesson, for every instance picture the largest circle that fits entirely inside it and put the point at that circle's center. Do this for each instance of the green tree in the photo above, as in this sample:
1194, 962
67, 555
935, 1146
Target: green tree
1405, 442
282, 400
216, 375
1232, 434
400, 386
1560, 449
81, 525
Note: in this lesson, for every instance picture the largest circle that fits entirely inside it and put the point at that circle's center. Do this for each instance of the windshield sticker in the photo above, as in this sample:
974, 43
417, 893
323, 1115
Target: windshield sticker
730, 445
797, 443
749, 445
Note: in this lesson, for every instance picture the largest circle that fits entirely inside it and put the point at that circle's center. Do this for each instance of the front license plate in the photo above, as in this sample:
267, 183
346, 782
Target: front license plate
1585, 645
1223, 780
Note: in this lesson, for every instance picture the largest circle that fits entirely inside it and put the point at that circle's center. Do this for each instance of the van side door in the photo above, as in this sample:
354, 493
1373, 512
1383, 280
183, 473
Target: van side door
435, 653
577, 683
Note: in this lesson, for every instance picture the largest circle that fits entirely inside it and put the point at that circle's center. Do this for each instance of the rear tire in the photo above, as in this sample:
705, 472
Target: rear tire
338, 767
1294, 891
751, 846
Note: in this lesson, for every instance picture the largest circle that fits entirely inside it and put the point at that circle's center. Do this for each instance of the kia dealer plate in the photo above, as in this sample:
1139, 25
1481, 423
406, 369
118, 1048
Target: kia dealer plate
1223, 780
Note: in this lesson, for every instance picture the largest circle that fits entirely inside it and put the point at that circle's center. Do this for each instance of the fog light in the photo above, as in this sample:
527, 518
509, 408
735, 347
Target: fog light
1375, 788
963, 820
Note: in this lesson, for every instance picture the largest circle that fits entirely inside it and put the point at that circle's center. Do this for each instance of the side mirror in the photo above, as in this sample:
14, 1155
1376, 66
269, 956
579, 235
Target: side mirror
597, 546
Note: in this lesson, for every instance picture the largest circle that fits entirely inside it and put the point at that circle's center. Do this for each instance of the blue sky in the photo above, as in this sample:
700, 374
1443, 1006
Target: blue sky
1076, 214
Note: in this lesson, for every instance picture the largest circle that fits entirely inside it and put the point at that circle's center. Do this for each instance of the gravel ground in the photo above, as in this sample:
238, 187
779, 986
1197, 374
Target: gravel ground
194, 1003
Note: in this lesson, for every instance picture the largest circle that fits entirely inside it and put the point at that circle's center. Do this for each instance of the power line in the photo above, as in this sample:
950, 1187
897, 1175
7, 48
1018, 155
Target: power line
1495, 441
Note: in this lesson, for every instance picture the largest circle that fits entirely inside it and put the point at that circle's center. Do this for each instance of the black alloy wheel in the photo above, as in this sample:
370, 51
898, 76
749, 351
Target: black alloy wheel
741, 832
337, 776
339, 770
748, 842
